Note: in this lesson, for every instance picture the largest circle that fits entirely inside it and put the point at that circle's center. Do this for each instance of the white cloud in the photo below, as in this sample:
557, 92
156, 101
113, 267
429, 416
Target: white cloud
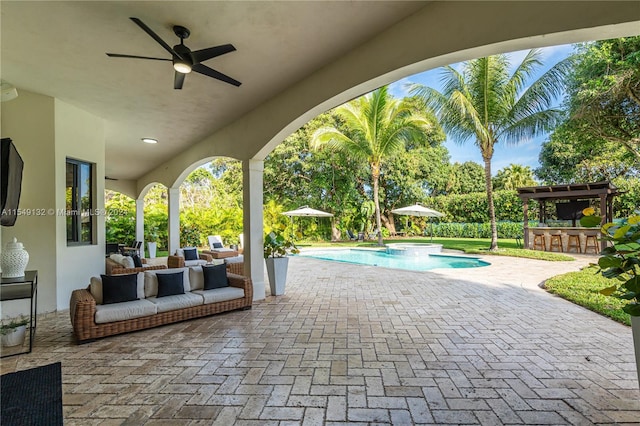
399, 88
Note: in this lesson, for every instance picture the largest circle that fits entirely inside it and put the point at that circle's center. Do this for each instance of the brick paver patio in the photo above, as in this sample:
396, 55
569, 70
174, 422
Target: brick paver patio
361, 345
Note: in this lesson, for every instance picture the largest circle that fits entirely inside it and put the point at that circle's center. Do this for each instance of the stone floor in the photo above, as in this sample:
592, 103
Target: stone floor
361, 345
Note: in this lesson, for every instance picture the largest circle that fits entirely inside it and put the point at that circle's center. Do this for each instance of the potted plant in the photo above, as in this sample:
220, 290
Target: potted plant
620, 261
276, 248
13, 331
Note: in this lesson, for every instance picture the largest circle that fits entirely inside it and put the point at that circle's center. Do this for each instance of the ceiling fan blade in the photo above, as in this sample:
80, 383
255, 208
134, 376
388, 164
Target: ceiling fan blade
203, 69
155, 36
118, 55
178, 80
204, 54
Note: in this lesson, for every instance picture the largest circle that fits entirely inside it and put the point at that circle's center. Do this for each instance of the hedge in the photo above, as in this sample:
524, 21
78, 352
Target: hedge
477, 230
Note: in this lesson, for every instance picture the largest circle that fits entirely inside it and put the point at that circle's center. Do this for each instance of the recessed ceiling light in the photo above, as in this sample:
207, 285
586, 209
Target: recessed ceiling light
149, 140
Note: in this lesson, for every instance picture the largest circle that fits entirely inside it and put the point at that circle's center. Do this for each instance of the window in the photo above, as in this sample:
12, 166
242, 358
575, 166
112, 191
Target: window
79, 202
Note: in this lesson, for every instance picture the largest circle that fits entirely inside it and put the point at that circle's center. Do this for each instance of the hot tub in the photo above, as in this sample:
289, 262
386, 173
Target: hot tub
415, 249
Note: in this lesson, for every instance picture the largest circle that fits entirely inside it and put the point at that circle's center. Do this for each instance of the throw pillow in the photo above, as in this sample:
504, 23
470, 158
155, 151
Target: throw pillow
137, 262
215, 276
127, 262
170, 284
190, 254
217, 245
119, 288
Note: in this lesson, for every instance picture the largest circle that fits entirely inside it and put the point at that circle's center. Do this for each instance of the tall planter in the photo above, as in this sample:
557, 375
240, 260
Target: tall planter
635, 330
152, 246
277, 272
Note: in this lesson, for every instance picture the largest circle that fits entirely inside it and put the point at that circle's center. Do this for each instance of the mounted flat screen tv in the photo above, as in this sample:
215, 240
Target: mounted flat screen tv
11, 165
571, 210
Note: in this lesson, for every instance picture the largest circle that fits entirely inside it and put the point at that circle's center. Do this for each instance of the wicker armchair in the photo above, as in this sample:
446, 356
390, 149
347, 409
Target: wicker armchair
235, 268
114, 268
178, 261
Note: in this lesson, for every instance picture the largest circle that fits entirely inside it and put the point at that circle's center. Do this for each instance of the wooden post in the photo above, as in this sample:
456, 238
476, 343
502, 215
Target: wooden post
525, 210
603, 213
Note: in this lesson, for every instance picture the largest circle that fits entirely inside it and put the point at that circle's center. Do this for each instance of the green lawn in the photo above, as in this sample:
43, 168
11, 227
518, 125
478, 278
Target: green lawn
582, 288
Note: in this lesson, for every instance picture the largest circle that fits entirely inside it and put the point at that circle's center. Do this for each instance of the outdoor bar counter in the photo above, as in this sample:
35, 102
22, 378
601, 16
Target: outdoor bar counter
590, 245
569, 201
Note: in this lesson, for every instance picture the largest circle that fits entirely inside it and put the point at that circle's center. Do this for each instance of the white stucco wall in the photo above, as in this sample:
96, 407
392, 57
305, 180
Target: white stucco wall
29, 121
43, 128
78, 135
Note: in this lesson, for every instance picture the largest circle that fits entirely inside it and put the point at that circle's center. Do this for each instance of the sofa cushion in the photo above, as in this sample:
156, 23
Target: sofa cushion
235, 259
197, 262
119, 288
96, 288
170, 284
196, 278
151, 280
179, 301
220, 294
190, 253
215, 276
124, 311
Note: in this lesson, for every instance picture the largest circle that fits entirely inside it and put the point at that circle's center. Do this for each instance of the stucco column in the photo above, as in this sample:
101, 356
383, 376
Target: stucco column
252, 171
140, 223
174, 219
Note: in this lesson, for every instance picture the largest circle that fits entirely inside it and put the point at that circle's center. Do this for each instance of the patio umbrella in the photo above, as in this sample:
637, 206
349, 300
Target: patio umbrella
418, 210
306, 211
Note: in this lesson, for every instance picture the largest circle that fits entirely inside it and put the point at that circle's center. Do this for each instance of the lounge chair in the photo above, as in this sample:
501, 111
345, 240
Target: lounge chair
351, 235
217, 249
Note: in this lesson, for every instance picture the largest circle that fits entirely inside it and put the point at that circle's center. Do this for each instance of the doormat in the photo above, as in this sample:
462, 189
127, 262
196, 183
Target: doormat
32, 397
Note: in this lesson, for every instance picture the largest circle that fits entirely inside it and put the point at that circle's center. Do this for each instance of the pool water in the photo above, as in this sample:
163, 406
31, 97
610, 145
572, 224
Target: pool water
385, 260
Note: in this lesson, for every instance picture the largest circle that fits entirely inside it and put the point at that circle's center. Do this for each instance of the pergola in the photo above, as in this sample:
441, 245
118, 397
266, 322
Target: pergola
605, 191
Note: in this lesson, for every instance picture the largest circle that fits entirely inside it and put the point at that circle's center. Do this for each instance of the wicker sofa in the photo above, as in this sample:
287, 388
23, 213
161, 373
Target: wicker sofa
92, 320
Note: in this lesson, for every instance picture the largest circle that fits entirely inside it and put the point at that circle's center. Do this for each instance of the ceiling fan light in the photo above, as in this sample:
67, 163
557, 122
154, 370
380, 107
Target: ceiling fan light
182, 67
149, 140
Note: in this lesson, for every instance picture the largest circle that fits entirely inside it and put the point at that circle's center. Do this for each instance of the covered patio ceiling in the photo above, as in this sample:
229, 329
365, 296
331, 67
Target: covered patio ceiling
58, 49
294, 59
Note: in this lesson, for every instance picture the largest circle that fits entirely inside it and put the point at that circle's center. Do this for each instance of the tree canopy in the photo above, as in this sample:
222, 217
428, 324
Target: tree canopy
488, 103
603, 92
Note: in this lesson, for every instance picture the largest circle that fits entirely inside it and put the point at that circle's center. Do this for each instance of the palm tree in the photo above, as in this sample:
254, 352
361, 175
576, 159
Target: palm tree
376, 126
514, 176
484, 101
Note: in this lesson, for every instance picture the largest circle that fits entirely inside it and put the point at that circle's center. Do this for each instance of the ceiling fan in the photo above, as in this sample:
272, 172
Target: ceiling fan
184, 60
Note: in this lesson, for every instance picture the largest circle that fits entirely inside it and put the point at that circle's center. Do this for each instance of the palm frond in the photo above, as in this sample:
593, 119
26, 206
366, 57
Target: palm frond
523, 72
530, 126
329, 137
542, 93
432, 99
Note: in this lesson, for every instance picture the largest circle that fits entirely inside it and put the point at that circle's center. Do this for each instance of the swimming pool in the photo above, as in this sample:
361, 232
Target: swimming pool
385, 260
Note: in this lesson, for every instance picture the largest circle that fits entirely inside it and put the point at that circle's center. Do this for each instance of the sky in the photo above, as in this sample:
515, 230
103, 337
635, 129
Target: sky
526, 153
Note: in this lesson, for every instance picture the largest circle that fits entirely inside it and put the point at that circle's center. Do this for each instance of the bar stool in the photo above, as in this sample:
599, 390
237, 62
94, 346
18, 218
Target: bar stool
591, 241
556, 240
539, 242
573, 242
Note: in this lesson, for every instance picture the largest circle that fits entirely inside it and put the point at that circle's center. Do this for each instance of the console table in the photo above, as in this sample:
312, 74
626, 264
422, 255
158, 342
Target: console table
21, 288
